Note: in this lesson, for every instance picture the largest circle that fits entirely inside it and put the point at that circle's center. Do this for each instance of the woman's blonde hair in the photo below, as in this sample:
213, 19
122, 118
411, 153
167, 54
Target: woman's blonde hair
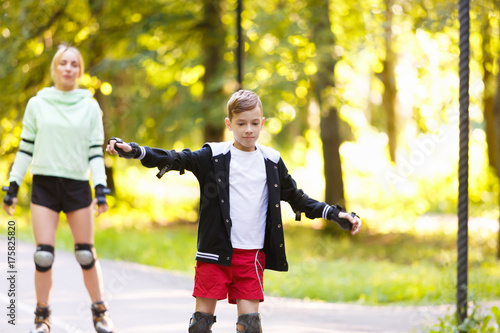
61, 49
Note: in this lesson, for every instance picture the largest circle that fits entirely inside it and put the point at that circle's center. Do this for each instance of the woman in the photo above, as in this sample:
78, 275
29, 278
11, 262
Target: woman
62, 138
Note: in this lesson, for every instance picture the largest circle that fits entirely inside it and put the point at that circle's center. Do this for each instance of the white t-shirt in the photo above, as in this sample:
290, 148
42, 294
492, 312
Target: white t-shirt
247, 198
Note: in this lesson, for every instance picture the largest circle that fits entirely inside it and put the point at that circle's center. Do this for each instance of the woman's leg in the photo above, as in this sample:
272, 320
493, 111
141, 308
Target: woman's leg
44, 222
81, 223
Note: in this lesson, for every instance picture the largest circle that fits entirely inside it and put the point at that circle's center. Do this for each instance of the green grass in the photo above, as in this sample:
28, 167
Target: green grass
395, 268
477, 321
382, 268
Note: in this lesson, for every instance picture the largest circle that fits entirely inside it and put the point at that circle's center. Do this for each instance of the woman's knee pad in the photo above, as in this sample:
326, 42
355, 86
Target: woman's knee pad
44, 257
84, 255
201, 323
250, 322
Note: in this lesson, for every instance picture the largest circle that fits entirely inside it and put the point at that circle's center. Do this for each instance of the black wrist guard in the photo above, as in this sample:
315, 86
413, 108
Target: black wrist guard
134, 153
11, 190
333, 215
100, 194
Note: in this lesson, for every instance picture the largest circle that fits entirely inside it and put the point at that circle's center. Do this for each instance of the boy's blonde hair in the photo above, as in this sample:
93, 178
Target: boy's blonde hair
61, 49
243, 100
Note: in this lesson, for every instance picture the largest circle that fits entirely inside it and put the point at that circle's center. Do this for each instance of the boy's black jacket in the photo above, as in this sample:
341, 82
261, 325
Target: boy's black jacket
210, 165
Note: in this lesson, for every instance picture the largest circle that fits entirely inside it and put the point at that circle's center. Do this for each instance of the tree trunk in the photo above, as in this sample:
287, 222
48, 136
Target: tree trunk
106, 108
497, 139
213, 45
496, 117
96, 56
324, 39
489, 97
334, 189
388, 79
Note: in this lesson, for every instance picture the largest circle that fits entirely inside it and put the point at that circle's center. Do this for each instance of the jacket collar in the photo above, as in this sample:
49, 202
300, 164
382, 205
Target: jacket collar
219, 148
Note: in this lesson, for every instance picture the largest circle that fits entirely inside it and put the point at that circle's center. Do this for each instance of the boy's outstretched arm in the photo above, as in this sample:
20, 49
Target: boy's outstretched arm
164, 160
302, 203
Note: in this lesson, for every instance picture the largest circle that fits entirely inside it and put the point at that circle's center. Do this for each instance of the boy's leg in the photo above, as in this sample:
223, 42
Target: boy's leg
203, 319
247, 306
248, 316
210, 285
206, 305
247, 289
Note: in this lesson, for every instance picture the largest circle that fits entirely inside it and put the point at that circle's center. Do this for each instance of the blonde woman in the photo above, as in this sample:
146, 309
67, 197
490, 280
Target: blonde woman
62, 139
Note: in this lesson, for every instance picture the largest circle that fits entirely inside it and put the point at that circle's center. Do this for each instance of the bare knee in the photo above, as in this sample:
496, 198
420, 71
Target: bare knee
206, 305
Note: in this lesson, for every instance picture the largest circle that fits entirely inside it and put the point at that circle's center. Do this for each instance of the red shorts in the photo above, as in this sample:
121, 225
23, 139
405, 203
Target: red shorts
242, 280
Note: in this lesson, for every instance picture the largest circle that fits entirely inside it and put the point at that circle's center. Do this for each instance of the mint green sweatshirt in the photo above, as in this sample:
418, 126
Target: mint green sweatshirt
62, 136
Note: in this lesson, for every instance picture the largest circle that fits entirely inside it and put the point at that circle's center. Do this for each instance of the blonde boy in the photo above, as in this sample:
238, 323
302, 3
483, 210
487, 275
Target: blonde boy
240, 231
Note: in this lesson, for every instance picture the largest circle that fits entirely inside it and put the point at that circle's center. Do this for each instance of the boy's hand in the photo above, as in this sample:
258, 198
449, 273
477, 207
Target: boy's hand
354, 219
126, 150
347, 221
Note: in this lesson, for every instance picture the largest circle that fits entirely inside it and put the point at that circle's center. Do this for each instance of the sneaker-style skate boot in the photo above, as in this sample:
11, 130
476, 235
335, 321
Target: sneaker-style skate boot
42, 318
102, 322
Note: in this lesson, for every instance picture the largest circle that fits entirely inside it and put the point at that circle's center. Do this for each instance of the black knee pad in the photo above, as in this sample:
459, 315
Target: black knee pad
250, 322
84, 255
201, 323
43, 257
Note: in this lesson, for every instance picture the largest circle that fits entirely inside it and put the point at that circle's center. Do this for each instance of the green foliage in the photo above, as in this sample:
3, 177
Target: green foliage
404, 268
476, 322
151, 53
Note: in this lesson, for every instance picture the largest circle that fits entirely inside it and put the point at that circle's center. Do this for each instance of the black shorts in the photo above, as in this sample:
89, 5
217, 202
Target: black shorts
59, 193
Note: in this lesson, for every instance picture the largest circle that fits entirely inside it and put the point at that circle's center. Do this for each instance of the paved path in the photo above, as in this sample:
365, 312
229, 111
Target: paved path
146, 299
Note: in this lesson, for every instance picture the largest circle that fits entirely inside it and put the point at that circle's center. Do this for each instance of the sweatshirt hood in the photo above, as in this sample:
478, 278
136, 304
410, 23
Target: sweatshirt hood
64, 97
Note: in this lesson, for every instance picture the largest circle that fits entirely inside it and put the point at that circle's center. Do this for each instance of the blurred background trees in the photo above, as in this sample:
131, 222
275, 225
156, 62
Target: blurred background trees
361, 94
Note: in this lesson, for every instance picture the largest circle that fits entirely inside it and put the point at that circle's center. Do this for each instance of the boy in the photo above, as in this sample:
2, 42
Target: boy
240, 229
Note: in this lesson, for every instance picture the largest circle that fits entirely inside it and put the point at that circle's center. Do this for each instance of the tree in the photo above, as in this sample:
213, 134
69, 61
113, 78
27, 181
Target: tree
388, 78
323, 88
489, 83
496, 119
213, 46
